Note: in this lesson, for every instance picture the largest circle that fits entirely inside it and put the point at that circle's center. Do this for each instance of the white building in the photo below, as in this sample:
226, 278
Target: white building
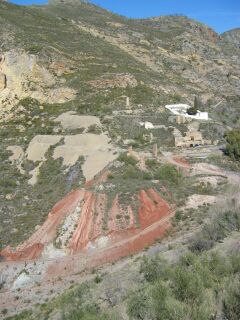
181, 110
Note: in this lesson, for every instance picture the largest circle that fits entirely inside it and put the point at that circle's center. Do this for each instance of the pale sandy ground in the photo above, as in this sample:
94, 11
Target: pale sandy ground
96, 162
196, 200
193, 126
17, 156
34, 174
70, 120
39, 145
96, 150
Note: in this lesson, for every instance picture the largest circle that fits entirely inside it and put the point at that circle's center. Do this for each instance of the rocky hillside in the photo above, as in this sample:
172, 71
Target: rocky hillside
90, 170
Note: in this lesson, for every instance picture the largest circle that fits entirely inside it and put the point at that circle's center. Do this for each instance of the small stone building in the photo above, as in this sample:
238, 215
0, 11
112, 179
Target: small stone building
191, 139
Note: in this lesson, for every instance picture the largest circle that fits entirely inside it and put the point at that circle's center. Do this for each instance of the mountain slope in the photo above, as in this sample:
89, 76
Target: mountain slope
90, 172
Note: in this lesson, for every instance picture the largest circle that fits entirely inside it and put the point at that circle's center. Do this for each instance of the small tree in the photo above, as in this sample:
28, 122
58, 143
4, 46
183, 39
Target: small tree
193, 110
233, 144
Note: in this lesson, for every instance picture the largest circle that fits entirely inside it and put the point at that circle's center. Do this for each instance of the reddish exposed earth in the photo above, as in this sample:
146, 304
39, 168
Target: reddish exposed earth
181, 161
124, 231
33, 247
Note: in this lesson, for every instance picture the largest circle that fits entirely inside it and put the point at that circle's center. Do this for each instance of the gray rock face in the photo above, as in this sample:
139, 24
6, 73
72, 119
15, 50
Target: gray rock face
233, 36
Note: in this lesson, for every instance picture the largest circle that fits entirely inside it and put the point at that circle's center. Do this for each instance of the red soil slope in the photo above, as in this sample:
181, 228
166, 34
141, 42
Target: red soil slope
152, 208
32, 248
118, 225
30, 253
82, 233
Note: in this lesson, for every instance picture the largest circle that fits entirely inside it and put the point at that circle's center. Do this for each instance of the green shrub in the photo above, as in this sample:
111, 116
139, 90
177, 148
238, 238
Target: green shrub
138, 304
168, 173
131, 173
128, 160
193, 110
163, 306
187, 285
178, 215
153, 268
98, 279
233, 144
151, 163
188, 289
94, 129
217, 229
231, 300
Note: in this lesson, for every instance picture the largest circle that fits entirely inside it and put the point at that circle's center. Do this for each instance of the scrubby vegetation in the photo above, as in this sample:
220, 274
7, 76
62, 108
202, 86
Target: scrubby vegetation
221, 224
76, 304
193, 288
196, 286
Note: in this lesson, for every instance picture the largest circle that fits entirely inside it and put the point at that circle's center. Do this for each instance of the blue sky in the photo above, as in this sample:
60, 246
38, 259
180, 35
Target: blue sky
221, 15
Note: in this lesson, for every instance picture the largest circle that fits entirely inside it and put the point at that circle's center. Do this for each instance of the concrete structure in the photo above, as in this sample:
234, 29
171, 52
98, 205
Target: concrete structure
181, 110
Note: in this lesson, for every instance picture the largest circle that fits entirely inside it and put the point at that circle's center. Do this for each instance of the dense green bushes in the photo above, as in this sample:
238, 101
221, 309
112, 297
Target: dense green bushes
192, 289
233, 144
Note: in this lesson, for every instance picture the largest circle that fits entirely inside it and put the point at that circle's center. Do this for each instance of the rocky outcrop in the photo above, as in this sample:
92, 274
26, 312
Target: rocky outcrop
23, 73
23, 76
115, 81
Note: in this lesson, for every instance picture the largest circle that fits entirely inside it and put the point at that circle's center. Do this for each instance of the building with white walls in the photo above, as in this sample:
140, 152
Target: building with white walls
181, 110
